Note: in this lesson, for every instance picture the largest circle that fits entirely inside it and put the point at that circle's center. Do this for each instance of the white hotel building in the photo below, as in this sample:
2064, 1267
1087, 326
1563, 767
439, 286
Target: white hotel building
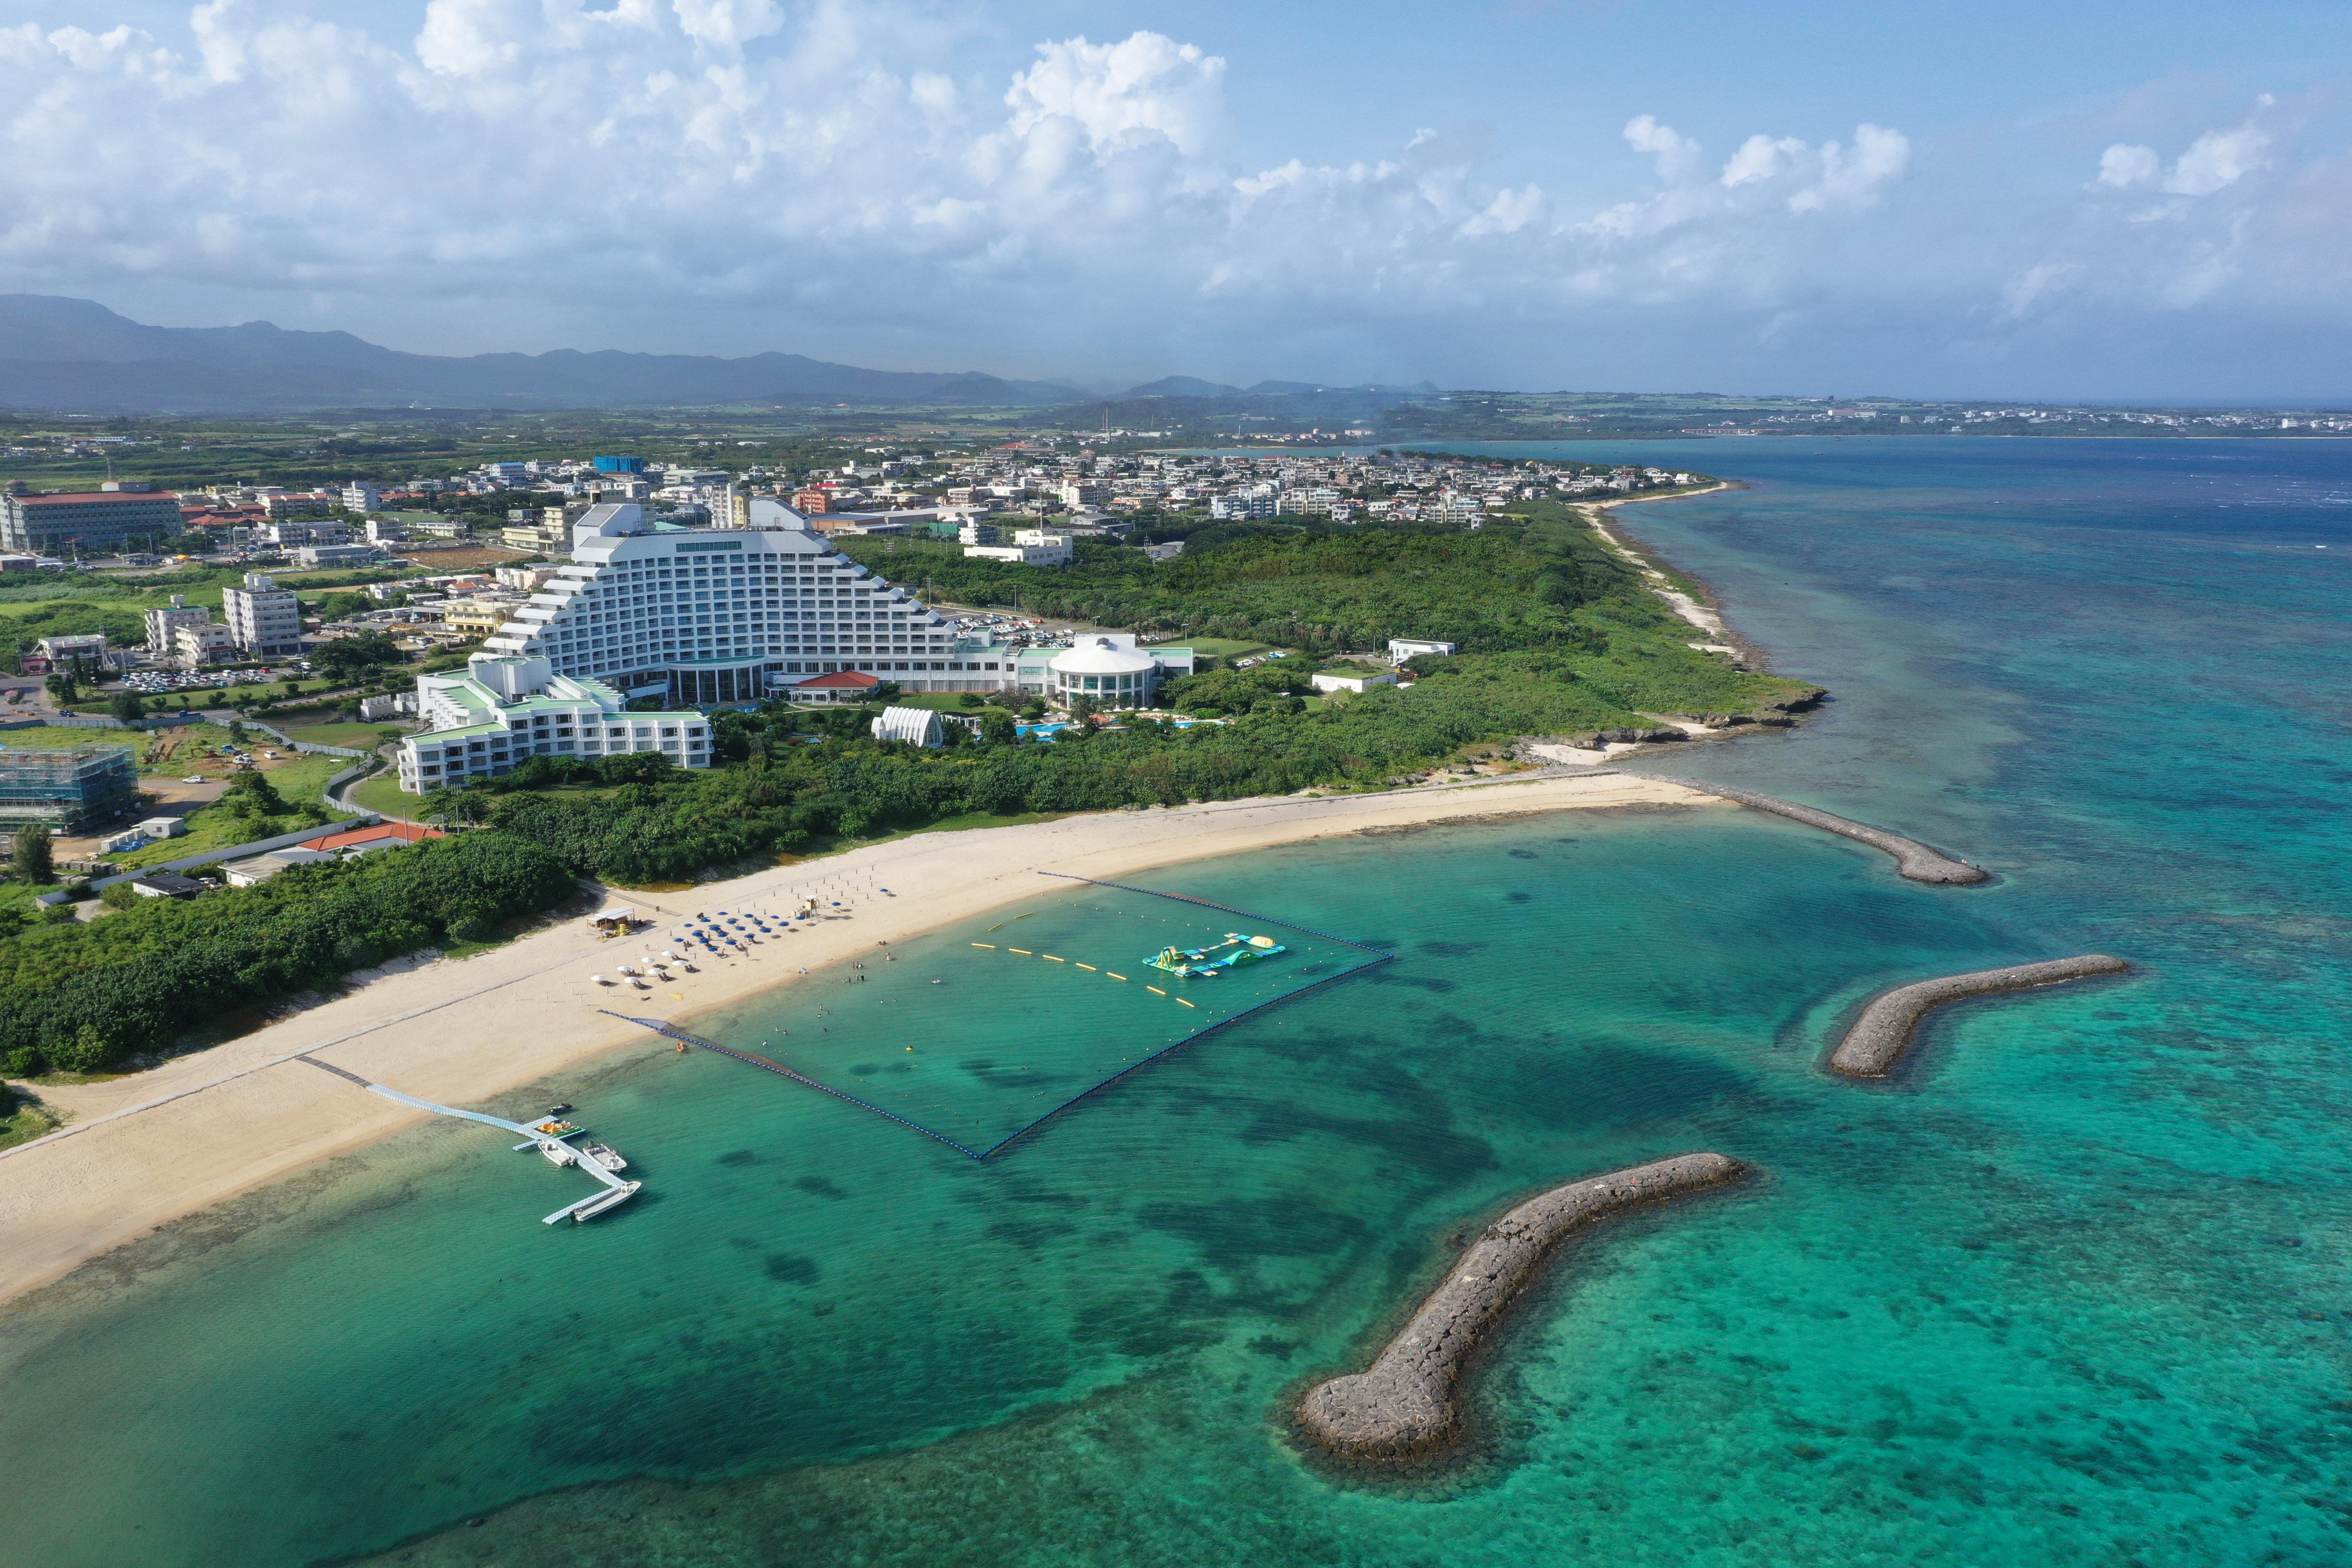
702, 616
708, 616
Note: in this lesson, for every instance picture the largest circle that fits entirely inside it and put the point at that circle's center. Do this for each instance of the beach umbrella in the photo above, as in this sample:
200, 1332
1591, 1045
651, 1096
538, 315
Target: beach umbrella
599, 980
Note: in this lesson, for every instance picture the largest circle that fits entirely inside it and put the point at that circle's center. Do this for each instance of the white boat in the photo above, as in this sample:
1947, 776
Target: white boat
557, 1152
610, 1198
606, 1155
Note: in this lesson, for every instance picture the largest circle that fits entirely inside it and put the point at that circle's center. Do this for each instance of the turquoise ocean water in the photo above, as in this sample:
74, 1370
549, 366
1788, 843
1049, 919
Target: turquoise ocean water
2073, 1290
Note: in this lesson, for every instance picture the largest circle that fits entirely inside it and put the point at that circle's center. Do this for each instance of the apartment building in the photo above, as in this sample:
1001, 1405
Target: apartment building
163, 623
264, 619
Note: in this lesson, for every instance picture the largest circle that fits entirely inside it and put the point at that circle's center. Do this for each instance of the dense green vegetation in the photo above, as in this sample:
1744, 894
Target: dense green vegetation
1541, 580
82, 997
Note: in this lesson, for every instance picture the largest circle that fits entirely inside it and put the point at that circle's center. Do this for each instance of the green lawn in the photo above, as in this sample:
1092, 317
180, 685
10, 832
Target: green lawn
940, 702
381, 795
1222, 647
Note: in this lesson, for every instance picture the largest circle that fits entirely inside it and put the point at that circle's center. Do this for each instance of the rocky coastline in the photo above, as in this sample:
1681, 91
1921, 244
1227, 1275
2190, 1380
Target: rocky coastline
1875, 1044
1402, 1408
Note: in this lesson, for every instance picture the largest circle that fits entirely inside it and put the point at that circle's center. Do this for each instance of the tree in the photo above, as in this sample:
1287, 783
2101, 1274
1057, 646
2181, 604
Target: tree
127, 707
61, 687
252, 795
973, 700
997, 728
36, 854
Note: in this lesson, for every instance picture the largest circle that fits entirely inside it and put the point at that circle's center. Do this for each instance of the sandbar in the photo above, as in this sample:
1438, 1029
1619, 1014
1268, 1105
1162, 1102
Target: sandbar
149, 1147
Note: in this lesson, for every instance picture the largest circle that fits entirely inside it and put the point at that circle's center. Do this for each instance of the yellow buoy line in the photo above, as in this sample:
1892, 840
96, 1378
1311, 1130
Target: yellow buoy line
1106, 973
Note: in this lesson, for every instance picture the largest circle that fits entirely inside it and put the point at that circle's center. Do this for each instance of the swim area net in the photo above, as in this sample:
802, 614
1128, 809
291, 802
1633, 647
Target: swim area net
978, 1035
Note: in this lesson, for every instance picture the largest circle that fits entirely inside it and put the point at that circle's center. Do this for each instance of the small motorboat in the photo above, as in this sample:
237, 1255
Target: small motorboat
557, 1152
605, 1154
558, 1109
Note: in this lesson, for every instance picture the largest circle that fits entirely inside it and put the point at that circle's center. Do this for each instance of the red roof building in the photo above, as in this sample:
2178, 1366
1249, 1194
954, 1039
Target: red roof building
360, 840
842, 686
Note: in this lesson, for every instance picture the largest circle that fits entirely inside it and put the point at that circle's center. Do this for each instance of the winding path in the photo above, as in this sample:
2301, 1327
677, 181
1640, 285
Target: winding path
1880, 1037
1917, 861
1404, 1407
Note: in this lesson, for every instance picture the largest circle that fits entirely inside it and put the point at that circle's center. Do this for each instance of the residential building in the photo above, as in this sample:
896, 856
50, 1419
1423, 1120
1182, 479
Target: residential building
166, 885
708, 616
482, 617
288, 503
196, 646
1060, 553
361, 497
385, 530
815, 498
1352, 677
1404, 649
1084, 492
979, 533
263, 619
509, 707
86, 648
391, 705
620, 465
163, 623
1245, 505
67, 790
86, 520
334, 554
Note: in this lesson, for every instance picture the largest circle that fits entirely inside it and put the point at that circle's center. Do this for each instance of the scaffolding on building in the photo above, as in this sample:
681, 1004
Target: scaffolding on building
66, 789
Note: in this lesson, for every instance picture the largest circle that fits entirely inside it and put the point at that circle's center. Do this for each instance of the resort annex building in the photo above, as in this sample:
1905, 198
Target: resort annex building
505, 710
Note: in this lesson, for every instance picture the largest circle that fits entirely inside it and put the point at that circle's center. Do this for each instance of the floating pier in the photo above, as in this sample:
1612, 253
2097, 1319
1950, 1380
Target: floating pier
616, 1191
1918, 862
1883, 1033
1402, 1407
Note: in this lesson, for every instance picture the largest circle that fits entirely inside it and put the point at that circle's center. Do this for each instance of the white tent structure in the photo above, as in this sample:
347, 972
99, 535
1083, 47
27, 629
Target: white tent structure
916, 726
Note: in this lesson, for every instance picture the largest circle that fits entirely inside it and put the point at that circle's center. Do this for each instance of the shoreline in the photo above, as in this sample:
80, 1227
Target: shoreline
153, 1147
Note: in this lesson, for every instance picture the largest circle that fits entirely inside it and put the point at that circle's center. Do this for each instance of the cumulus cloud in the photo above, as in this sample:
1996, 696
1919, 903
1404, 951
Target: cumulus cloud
2214, 162
839, 167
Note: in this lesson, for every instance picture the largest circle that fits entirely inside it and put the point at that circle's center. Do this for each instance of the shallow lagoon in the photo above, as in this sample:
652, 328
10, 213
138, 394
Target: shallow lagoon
2072, 1288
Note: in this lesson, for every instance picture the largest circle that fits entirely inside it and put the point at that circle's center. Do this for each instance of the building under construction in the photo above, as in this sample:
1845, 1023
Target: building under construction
66, 790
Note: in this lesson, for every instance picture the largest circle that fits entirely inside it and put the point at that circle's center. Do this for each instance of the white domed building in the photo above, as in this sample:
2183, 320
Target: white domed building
1108, 670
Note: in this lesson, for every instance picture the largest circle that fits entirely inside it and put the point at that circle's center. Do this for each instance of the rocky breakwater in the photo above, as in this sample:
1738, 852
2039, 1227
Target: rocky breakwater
1404, 1407
1916, 860
1880, 1037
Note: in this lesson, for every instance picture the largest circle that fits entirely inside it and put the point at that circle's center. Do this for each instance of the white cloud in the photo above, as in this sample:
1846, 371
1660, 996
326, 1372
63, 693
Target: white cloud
2218, 160
839, 166
2214, 162
2124, 166
1677, 155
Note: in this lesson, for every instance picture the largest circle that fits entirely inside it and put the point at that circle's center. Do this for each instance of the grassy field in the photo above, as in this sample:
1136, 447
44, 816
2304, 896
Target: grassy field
1222, 647
217, 827
382, 795
941, 703
362, 737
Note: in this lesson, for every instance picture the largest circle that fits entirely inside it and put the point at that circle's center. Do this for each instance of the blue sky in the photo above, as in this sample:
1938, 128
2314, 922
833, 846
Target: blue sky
2147, 202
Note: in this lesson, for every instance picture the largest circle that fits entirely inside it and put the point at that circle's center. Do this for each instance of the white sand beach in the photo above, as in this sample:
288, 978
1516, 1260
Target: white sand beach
151, 1147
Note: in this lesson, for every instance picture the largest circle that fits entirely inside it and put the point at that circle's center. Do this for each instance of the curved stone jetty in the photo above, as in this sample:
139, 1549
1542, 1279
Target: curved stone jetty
1912, 858
1879, 1038
1402, 1408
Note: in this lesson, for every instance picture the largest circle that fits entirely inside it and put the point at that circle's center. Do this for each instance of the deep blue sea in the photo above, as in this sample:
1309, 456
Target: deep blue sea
2072, 1290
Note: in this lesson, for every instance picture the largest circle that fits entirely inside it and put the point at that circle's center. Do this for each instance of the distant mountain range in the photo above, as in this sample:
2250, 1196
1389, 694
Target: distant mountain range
77, 355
